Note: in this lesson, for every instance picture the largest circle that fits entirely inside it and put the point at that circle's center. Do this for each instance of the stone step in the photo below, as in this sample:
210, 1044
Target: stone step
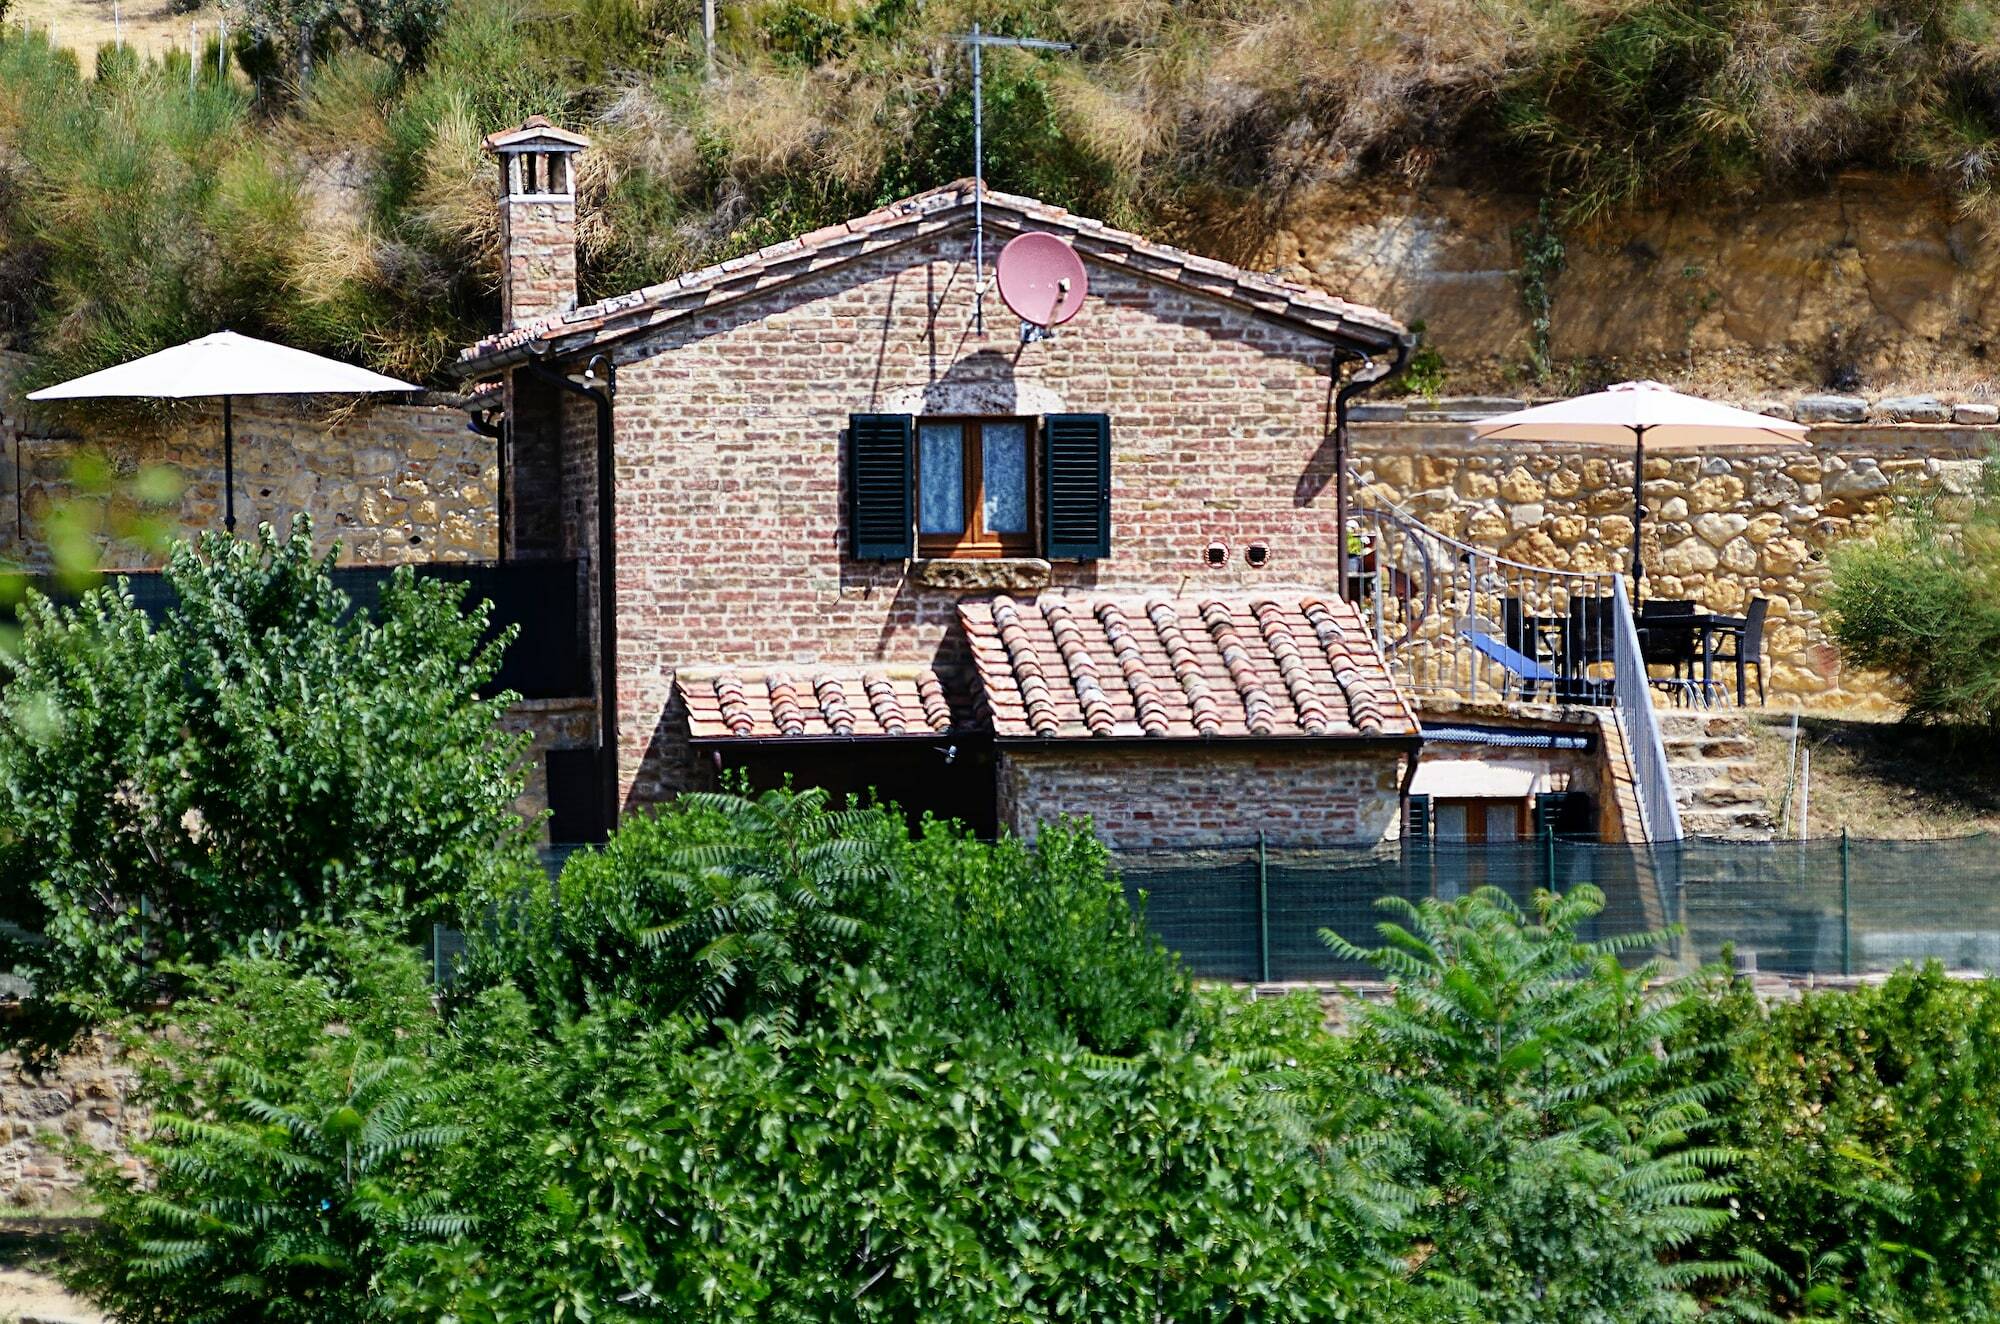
1689, 776
1739, 824
1696, 726
1710, 747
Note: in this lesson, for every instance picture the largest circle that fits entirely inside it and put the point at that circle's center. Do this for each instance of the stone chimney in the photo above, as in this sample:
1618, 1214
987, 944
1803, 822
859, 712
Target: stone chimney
537, 220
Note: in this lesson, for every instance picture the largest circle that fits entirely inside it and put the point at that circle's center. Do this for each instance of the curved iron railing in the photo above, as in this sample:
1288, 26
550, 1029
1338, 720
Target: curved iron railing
1461, 622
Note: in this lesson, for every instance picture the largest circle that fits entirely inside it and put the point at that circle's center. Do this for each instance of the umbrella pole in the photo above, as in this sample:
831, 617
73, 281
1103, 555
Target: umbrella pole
228, 468
1638, 510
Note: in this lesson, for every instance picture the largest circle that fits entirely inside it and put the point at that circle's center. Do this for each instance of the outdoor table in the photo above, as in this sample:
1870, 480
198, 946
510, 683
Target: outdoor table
1705, 628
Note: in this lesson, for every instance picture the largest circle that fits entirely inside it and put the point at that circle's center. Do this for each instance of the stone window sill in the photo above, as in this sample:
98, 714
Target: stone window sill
1016, 573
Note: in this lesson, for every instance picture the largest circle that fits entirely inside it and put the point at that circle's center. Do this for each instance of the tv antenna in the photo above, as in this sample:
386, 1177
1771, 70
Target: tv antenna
978, 41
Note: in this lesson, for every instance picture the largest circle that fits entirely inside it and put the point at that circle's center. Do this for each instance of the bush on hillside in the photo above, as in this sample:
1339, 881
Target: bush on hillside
260, 758
1920, 601
356, 215
732, 906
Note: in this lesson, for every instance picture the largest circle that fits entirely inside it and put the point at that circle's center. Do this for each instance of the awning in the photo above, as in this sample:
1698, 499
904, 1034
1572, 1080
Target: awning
811, 702
1476, 779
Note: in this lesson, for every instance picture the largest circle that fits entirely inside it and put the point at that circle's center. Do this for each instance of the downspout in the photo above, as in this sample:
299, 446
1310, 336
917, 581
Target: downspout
600, 387
1362, 381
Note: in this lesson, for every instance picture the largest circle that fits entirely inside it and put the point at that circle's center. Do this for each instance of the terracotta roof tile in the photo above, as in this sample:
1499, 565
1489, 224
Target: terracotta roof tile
913, 218
1268, 664
724, 703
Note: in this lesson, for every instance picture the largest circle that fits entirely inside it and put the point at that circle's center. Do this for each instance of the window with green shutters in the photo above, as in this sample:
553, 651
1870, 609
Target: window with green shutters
970, 487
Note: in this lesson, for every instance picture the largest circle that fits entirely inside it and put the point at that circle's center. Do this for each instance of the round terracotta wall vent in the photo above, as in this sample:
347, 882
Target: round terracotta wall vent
1257, 555
1216, 554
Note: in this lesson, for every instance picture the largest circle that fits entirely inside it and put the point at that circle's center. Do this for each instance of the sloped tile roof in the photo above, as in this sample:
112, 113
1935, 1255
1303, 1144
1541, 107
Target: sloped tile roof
1268, 665
807, 702
921, 217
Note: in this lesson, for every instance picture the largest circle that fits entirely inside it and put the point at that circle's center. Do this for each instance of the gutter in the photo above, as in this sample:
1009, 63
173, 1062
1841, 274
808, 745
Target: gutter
603, 376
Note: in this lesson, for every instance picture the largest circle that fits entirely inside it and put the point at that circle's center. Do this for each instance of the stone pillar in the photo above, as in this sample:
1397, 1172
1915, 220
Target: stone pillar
537, 220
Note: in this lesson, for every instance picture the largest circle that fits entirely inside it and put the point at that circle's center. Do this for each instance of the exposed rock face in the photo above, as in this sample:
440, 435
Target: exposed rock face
1875, 281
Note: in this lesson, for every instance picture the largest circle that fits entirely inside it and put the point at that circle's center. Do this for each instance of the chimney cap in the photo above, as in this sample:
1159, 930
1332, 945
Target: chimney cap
536, 134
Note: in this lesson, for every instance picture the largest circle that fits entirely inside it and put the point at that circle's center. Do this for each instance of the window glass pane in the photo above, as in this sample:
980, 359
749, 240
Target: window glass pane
941, 474
1448, 821
1503, 821
1003, 461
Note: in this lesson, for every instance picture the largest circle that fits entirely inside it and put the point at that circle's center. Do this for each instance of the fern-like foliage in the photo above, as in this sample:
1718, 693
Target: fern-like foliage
1553, 1170
285, 1171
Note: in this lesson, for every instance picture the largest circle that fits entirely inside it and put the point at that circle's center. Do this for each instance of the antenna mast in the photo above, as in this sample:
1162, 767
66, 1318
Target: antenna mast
978, 40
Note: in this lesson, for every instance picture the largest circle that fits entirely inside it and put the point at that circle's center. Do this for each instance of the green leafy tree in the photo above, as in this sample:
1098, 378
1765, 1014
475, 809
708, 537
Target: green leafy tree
1555, 1173
260, 758
1920, 601
283, 1174
397, 30
1865, 1133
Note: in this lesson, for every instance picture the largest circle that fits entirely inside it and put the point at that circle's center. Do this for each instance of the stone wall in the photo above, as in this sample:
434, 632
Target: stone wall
86, 1101
1178, 794
1724, 524
390, 482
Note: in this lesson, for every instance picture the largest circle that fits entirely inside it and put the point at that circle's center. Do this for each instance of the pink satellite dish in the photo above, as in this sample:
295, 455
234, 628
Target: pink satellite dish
1041, 278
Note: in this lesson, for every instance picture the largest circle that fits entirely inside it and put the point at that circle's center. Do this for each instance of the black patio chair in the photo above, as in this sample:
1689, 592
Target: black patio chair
1745, 647
1588, 640
1662, 644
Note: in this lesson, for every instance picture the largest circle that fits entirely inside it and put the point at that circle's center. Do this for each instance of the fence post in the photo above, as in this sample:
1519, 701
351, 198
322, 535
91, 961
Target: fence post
1263, 913
1549, 856
1846, 910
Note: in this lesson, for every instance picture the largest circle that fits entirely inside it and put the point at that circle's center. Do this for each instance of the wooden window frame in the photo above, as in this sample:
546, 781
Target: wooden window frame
976, 542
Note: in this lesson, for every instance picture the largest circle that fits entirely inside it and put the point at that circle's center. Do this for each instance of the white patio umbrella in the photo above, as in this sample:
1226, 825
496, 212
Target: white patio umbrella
224, 365
1644, 414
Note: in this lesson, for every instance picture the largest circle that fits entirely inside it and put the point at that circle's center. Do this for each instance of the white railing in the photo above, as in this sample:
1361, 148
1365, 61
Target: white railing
1633, 695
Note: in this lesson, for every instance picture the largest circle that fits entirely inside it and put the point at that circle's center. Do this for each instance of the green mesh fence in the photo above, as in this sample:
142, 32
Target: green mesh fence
1829, 906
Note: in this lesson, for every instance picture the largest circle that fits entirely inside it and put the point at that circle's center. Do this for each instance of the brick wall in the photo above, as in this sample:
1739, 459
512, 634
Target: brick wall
1187, 795
730, 545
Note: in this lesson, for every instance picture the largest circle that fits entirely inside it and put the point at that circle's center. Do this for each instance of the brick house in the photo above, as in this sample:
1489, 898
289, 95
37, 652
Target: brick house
844, 523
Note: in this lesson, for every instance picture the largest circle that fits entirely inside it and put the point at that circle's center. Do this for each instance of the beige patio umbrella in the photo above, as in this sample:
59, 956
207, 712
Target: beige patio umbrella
1642, 414
224, 365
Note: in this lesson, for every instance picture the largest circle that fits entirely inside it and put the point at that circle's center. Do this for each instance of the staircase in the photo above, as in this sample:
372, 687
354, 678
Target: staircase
1711, 758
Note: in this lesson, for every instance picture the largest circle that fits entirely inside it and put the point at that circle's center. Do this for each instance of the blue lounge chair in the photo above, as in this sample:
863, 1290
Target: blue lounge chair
1525, 670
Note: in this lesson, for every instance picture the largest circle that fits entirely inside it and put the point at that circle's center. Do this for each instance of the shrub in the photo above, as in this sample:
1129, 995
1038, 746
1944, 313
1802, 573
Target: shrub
874, 1166
291, 1106
1864, 1130
259, 759
731, 906
1920, 600
1520, 1074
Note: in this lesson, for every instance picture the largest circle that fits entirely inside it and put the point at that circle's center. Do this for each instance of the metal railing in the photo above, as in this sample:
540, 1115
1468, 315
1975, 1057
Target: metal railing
1461, 622
1632, 696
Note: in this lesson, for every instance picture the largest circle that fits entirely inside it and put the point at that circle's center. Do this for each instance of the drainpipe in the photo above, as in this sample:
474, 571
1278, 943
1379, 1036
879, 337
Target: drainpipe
600, 387
1361, 381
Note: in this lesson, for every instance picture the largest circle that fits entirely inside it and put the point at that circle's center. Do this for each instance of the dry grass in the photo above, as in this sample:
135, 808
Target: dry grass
151, 27
1883, 778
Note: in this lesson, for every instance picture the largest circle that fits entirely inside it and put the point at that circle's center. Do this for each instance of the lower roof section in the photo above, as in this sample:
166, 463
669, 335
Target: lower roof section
1264, 666
813, 702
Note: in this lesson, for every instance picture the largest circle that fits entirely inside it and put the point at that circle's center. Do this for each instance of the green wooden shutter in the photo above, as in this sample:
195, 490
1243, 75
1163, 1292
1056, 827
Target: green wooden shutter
1417, 819
1076, 487
880, 471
